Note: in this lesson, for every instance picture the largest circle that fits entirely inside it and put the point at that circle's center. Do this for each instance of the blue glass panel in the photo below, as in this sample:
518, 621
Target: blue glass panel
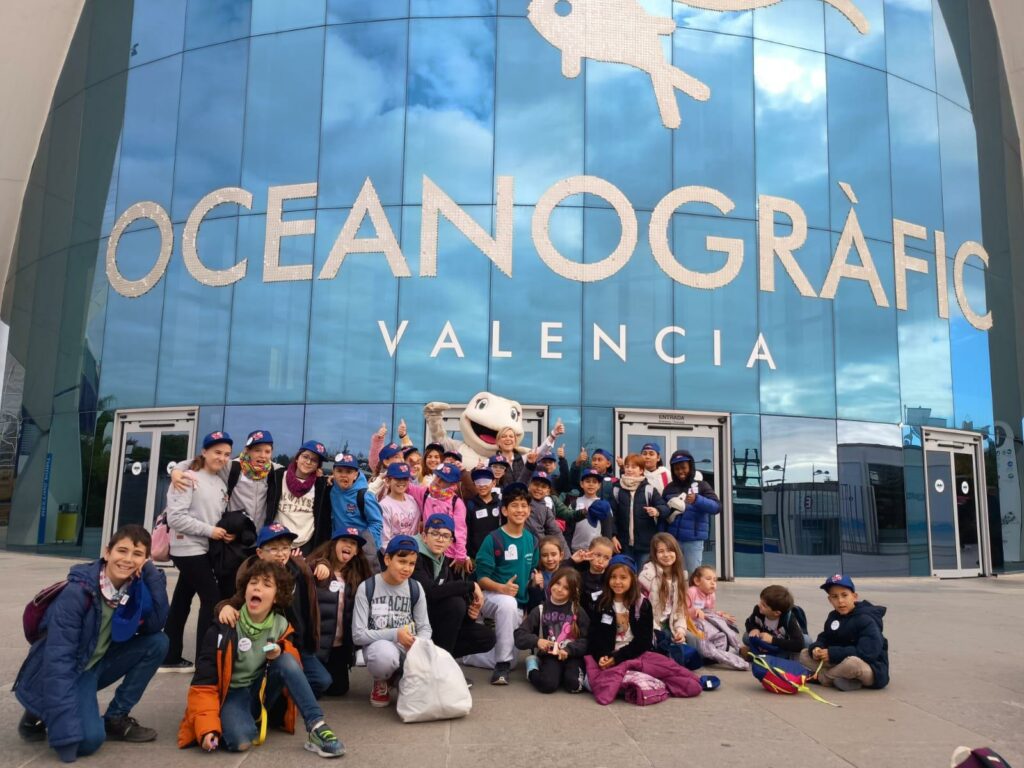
284, 422
620, 103
969, 356
731, 311
961, 194
952, 34
858, 146
150, 126
916, 175
96, 182
211, 418
792, 127
158, 28
61, 168
450, 117
800, 500
714, 145
458, 295
748, 533
910, 49
453, 7
209, 153
543, 298
925, 379
193, 370
131, 339
639, 297
730, 23
269, 323
538, 115
95, 322
798, 331
214, 21
512, 7
341, 11
917, 511
364, 112
845, 40
282, 112
867, 349
275, 16
350, 361
345, 427
800, 23
413, 415
598, 429
570, 441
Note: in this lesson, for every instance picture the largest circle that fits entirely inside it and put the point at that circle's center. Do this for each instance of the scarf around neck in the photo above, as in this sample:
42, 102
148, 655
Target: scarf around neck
630, 483
250, 470
297, 487
251, 628
442, 494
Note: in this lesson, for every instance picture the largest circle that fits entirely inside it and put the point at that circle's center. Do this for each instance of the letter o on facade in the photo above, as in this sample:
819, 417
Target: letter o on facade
155, 213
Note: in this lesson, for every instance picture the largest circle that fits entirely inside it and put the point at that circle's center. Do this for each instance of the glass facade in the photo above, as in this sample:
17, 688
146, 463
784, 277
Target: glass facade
787, 254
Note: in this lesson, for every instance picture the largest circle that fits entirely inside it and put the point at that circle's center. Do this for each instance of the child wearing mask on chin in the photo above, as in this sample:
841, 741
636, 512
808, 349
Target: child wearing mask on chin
656, 474
248, 668
556, 634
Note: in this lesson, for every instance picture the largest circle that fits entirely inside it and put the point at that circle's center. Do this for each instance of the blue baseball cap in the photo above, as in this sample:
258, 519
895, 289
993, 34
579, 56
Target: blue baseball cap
349, 533
541, 475
389, 450
217, 437
651, 447
603, 452
625, 560
499, 459
274, 531
838, 580
402, 544
591, 473
512, 491
259, 437
452, 455
313, 446
346, 460
481, 473
448, 472
440, 520
399, 470
409, 451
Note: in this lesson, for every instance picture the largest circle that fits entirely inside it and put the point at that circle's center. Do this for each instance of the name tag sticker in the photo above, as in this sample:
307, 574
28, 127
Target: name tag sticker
335, 586
124, 599
244, 644
379, 609
595, 596
606, 619
834, 625
512, 552
481, 514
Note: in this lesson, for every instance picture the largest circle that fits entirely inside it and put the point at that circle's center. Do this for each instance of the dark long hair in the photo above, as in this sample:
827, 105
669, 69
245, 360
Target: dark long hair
608, 597
354, 572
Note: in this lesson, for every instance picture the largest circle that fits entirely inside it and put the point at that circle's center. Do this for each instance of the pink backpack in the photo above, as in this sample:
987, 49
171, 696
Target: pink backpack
160, 548
643, 689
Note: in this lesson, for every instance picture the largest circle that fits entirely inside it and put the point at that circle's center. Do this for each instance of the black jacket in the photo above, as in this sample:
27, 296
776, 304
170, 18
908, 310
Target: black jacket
446, 584
601, 637
225, 557
859, 634
788, 637
327, 602
644, 526
322, 523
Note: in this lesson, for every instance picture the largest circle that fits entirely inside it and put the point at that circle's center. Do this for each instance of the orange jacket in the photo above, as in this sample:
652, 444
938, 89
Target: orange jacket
212, 680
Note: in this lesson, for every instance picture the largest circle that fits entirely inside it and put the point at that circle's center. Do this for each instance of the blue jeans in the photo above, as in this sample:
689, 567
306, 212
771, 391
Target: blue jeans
693, 554
317, 676
136, 660
241, 707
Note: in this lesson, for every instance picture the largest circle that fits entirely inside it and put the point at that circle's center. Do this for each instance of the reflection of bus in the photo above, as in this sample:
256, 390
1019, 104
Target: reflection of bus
6, 483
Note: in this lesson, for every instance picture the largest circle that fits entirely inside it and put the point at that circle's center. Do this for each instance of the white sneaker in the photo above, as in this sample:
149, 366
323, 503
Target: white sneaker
360, 659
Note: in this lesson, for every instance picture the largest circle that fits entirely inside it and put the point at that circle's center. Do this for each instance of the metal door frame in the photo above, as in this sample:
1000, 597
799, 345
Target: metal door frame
655, 418
957, 441
137, 420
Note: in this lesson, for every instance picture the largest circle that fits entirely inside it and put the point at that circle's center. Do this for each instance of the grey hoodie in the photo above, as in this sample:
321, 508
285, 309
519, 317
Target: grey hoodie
193, 513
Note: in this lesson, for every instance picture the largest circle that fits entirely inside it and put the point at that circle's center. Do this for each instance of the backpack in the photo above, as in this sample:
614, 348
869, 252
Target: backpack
801, 618
35, 611
160, 541
783, 676
371, 585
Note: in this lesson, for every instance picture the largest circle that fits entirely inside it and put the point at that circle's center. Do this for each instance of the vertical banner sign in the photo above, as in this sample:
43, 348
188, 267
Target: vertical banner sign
41, 537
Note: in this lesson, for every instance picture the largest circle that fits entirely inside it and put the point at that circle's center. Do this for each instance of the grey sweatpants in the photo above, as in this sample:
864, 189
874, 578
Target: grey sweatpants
850, 668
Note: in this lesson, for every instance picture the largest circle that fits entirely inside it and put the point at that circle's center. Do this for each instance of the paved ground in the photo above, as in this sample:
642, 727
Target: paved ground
957, 678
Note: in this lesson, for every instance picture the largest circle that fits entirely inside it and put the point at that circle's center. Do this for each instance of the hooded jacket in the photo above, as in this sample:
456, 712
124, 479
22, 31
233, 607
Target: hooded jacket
439, 582
343, 504
690, 522
858, 633
72, 623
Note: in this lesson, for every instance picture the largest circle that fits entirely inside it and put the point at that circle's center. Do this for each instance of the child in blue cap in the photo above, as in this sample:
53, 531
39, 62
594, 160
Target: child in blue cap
400, 509
851, 652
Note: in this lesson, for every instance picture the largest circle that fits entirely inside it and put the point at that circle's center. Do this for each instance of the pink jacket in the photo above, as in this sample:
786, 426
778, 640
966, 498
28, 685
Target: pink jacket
456, 508
606, 684
699, 600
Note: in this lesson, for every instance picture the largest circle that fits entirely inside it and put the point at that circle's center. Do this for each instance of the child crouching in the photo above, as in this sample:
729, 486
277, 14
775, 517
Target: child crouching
249, 667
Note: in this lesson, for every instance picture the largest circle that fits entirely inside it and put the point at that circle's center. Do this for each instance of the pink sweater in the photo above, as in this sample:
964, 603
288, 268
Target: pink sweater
699, 600
456, 508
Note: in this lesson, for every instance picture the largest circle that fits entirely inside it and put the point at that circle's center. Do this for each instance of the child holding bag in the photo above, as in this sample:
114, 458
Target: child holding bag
557, 629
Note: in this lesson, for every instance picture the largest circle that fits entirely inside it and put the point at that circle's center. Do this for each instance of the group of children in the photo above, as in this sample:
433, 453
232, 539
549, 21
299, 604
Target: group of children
473, 560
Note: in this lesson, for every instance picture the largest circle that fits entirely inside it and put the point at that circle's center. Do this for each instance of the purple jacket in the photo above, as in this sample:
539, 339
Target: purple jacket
606, 684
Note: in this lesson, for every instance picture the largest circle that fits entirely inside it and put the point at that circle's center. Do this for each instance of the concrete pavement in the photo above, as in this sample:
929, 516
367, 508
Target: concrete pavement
957, 678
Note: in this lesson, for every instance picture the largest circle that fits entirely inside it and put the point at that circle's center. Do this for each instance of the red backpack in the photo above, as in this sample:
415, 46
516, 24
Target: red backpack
32, 618
783, 676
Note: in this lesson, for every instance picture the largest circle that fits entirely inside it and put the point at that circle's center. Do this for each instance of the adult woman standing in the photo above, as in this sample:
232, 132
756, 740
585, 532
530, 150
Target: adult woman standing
192, 514
302, 500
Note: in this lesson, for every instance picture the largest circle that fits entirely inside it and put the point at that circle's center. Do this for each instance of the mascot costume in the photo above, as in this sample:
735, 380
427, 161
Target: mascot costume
485, 416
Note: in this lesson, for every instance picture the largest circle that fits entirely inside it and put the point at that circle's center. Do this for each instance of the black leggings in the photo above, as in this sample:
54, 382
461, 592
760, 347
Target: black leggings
454, 631
552, 672
337, 666
195, 577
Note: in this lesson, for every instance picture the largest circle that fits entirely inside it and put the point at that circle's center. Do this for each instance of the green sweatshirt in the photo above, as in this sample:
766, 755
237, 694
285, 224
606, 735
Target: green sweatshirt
519, 558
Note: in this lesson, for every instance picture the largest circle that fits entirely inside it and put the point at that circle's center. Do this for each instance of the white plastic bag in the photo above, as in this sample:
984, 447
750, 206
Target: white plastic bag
432, 686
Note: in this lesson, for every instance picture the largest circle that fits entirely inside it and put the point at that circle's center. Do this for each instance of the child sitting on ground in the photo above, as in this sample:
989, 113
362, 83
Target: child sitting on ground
235, 663
591, 564
390, 614
702, 594
851, 650
663, 582
556, 634
773, 622
717, 639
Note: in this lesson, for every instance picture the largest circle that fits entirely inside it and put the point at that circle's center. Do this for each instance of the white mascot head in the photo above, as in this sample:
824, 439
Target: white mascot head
485, 416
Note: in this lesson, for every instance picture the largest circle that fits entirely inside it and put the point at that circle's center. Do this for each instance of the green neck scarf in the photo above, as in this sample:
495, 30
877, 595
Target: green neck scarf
250, 628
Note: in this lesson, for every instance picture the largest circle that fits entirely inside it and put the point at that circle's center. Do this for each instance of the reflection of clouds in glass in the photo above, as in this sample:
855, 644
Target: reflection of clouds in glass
455, 140
730, 23
785, 82
370, 85
802, 445
866, 432
452, 68
872, 387
925, 362
792, 392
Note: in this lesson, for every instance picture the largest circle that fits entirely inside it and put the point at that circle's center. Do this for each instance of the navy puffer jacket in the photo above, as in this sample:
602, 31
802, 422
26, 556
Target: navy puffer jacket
858, 633
689, 522
46, 680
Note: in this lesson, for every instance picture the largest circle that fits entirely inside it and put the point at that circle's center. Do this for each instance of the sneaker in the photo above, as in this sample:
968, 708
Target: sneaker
532, 664
380, 694
31, 728
360, 659
844, 684
127, 728
500, 676
323, 741
181, 665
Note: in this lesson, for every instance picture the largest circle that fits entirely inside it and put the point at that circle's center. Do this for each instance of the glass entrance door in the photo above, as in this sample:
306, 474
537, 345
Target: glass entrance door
705, 436
956, 507
145, 444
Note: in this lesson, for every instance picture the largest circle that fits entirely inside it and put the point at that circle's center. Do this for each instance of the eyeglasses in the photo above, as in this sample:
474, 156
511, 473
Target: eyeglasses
306, 457
437, 533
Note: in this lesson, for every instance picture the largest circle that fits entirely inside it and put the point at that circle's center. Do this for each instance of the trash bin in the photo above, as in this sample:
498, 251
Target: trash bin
67, 524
